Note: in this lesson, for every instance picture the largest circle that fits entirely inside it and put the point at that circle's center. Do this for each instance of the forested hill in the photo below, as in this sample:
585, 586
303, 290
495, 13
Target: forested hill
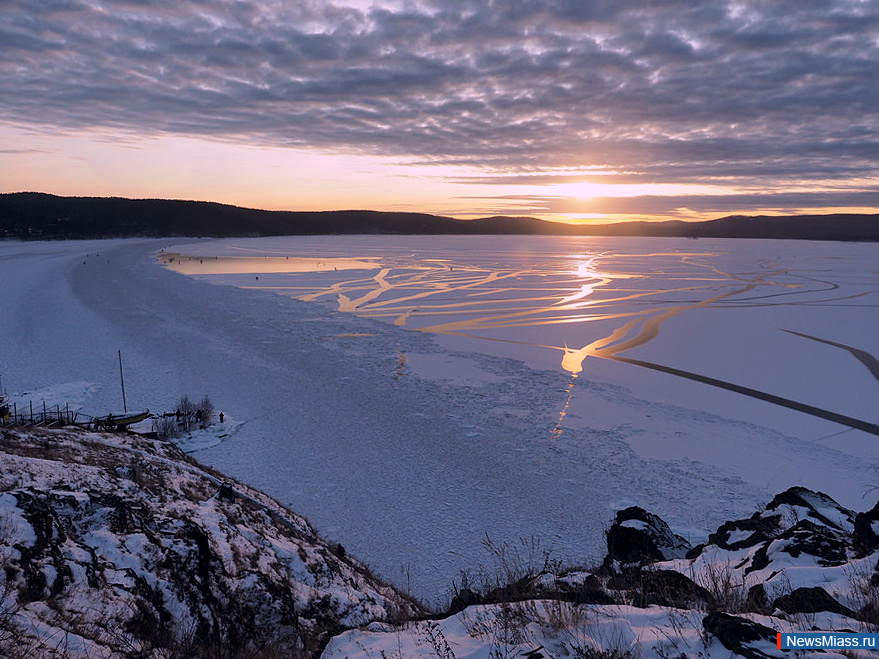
38, 216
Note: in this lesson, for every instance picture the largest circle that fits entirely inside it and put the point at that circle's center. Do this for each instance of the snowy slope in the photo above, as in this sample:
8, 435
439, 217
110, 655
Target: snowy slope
804, 563
121, 545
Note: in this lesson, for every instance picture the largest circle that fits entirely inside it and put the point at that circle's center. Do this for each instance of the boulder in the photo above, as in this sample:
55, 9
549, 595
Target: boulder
670, 588
637, 536
797, 504
826, 544
811, 600
803, 524
742, 636
865, 537
742, 533
462, 599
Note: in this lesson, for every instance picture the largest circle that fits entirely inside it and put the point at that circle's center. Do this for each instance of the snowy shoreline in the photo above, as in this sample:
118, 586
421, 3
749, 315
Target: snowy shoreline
410, 475
121, 545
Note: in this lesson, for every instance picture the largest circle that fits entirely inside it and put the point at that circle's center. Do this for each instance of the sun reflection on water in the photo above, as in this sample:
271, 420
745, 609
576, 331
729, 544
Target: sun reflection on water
605, 302
467, 297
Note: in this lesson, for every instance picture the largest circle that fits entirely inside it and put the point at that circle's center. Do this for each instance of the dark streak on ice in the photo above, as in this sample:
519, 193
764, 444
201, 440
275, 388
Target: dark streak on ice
851, 422
862, 356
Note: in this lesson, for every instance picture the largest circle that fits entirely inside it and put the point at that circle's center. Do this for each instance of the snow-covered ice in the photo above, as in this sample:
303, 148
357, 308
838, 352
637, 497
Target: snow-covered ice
410, 448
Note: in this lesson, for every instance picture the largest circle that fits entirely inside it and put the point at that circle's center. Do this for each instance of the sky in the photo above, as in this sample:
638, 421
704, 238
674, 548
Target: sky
573, 110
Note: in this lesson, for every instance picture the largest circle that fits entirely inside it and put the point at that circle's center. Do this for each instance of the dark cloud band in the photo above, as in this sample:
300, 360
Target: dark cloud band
667, 91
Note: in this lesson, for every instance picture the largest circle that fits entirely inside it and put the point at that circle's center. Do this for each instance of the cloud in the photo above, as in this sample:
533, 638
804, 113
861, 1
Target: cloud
670, 91
671, 204
685, 205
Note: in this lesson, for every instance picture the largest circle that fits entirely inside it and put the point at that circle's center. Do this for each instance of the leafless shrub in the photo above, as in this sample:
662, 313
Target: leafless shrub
561, 615
503, 626
434, 637
205, 412
511, 577
719, 579
191, 415
186, 410
166, 427
516, 566
590, 640
864, 594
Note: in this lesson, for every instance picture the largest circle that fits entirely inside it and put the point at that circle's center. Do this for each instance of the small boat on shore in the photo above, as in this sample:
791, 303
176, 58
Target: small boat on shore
119, 420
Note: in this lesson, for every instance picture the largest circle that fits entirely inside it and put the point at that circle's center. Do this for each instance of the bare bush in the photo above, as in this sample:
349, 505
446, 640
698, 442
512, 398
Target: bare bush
504, 626
589, 639
864, 593
166, 427
434, 636
186, 410
728, 591
191, 415
205, 412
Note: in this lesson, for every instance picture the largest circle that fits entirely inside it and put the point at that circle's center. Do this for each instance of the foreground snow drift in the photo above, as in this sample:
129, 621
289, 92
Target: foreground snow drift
804, 563
120, 545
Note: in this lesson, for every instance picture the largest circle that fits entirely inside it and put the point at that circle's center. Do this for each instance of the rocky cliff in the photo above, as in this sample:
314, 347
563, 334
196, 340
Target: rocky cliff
119, 545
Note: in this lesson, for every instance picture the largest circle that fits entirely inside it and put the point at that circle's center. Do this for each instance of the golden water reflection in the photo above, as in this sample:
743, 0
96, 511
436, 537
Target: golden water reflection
595, 304
487, 300
229, 265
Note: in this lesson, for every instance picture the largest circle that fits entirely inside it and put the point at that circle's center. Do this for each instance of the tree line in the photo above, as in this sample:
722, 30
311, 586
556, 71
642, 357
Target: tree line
39, 216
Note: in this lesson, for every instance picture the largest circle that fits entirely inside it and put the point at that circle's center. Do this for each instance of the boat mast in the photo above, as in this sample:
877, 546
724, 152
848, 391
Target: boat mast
122, 380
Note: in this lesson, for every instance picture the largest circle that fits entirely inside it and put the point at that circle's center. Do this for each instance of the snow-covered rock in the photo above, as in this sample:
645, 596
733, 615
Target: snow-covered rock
804, 563
120, 545
637, 536
802, 554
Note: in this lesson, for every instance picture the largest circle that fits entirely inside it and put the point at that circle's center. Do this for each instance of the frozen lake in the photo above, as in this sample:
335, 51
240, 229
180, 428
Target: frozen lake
791, 320
529, 407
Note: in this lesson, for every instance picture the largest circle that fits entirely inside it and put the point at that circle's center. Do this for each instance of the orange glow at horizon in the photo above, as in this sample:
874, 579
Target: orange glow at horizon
282, 178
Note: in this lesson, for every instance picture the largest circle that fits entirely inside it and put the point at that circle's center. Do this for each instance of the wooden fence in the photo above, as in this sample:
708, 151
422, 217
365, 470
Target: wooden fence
42, 415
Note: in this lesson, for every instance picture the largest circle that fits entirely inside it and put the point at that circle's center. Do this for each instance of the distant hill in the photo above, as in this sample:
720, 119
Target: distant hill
39, 216
839, 226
